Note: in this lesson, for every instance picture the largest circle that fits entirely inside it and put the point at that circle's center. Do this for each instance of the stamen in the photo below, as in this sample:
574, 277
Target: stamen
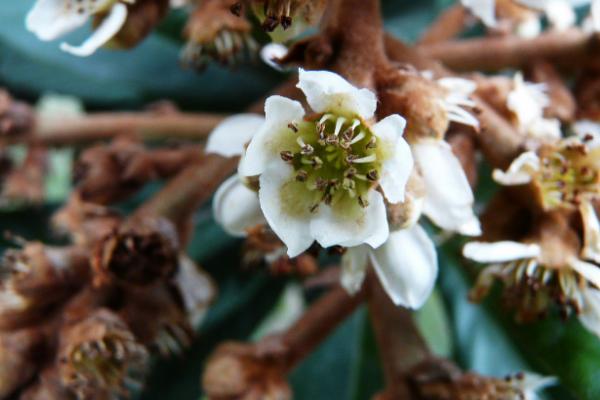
362, 160
324, 119
306, 149
358, 137
372, 143
301, 175
293, 126
362, 202
338, 125
372, 175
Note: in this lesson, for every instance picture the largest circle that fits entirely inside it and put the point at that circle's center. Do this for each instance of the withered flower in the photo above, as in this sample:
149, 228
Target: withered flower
99, 354
237, 371
214, 34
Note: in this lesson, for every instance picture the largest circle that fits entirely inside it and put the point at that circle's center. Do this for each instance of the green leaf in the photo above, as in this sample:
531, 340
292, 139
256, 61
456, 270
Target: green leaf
345, 366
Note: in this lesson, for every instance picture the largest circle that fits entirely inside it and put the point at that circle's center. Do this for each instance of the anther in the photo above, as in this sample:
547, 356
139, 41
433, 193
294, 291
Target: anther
301, 176
372, 175
293, 127
372, 143
362, 202
287, 156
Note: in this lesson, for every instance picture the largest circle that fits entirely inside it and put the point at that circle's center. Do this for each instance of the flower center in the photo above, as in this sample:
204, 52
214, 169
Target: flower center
568, 176
335, 157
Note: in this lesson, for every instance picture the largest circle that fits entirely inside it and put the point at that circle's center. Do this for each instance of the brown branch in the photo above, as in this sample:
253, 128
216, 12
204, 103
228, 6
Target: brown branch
145, 125
401, 346
447, 26
567, 49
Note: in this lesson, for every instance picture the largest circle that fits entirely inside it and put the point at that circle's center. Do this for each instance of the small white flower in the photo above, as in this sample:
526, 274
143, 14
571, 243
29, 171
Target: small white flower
518, 264
527, 102
406, 265
529, 384
51, 19
318, 175
271, 52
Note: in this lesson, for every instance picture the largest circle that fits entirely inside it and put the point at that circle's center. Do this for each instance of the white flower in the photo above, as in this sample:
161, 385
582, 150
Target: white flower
271, 52
406, 265
318, 175
519, 264
527, 102
51, 19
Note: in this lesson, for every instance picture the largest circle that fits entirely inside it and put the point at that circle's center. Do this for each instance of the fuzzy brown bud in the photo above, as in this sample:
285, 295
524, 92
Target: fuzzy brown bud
18, 352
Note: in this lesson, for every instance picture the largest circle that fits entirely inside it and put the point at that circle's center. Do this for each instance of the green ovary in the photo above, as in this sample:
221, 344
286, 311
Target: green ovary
336, 160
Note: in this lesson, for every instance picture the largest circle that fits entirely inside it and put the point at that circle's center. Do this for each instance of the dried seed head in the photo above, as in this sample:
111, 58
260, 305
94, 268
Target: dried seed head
236, 371
100, 354
136, 255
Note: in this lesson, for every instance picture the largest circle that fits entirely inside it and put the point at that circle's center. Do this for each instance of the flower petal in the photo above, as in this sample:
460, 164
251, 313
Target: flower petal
494, 252
560, 14
232, 134
485, 10
109, 27
398, 165
591, 235
286, 207
273, 136
354, 267
271, 52
327, 91
350, 225
407, 266
588, 131
449, 199
590, 313
520, 170
196, 288
50, 19
527, 100
591, 272
236, 208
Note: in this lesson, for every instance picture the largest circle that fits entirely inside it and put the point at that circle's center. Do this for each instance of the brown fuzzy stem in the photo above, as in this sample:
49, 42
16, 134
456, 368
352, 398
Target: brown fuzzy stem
189, 189
318, 322
401, 346
62, 131
447, 26
567, 48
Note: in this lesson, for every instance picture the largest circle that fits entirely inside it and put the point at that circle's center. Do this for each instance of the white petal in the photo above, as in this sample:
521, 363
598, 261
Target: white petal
495, 252
595, 15
354, 267
109, 27
327, 91
407, 266
560, 14
236, 208
233, 133
544, 128
464, 87
449, 199
331, 227
529, 28
398, 165
589, 130
590, 313
531, 383
196, 288
520, 170
591, 234
273, 136
49, 19
591, 272
272, 52
485, 10
527, 101
286, 213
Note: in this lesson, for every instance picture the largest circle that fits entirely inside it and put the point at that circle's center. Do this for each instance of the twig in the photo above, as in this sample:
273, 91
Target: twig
567, 49
448, 25
92, 127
